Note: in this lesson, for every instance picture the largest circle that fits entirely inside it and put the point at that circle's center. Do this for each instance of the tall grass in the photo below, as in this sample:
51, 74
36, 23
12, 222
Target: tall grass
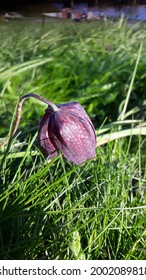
54, 209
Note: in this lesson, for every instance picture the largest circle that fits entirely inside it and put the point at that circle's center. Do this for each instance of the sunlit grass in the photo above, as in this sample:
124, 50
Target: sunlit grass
54, 209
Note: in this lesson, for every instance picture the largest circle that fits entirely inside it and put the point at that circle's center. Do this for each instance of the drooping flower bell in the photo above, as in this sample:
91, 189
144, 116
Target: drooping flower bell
66, 128
69, 130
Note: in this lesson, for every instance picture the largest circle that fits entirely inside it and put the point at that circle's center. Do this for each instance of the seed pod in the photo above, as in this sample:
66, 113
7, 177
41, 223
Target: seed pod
68, 130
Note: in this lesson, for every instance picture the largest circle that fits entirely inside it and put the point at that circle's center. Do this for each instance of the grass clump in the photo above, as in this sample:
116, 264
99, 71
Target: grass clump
53, 209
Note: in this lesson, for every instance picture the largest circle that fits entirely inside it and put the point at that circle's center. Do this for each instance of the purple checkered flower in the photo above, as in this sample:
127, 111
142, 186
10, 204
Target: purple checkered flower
67, 129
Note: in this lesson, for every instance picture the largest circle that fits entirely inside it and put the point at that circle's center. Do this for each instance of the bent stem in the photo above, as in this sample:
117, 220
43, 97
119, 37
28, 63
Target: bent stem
19, 108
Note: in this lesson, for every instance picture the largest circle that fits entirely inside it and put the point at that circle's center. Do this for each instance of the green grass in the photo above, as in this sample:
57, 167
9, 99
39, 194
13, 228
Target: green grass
54, 209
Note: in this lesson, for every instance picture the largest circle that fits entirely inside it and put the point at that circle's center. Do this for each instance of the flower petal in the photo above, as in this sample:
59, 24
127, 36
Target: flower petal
45, 144
73, 135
